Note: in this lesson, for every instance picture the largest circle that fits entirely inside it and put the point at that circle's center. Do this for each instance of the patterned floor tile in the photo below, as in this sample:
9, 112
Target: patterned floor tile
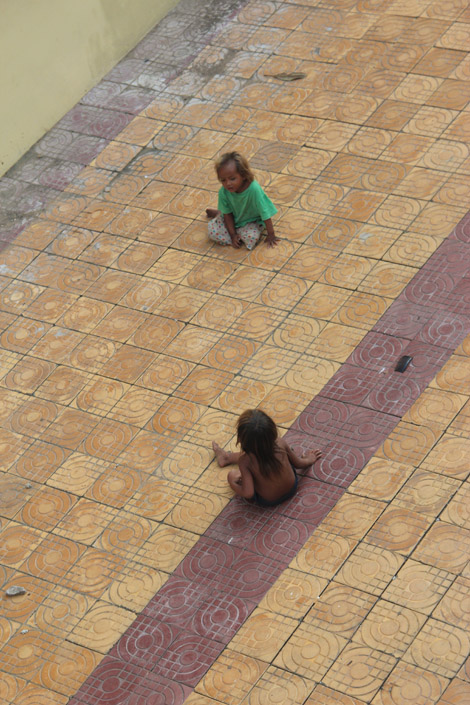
353, 516
452, 607
440, 648
263, 634
310, 652
426, 493
340, 609
389, 628
398, 530
293, 593
370, 568
457, 689
359, 671
411, 684
232, 677
450, 543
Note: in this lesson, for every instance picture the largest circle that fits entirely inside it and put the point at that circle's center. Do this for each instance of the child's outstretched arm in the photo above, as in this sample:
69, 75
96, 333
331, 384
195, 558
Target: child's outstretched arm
271, 239
229, 222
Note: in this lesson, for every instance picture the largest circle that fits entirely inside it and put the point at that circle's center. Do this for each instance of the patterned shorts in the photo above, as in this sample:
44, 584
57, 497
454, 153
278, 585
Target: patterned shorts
249, 233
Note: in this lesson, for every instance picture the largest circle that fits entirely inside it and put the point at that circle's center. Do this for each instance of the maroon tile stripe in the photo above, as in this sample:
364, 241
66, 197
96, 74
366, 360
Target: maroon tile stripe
186, 625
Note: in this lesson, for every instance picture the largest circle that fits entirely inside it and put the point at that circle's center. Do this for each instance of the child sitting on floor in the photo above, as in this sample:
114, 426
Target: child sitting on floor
266, 464
244, 210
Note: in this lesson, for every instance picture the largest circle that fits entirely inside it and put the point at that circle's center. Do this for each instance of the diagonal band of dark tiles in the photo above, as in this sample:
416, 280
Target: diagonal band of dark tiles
43, 173
187, 624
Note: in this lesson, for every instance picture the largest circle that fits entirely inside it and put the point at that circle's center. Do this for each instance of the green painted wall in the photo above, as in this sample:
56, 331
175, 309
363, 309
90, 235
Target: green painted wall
53, 51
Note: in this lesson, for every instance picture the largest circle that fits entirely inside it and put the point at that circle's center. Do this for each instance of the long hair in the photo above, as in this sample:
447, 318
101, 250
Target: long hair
241, 163
256, 435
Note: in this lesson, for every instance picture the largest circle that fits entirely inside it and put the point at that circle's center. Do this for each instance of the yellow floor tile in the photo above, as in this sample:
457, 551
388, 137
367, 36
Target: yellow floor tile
263, 634
310, 652
231, 677
340, 609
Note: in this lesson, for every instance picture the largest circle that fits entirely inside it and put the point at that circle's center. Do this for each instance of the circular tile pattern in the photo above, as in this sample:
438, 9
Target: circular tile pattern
93, 572
53, 557
409, 444
390, 628
137, 406
101, 626
47, 508
322, 554
108, 439
444, 546
310, 652
10, 686
454, 607
33, 417
293, 593
26, 653
449, 457
398, 530
62, 385
144, 642
175, 417
40, 461
197, 509
28, 374
262, 634
18, 542
340, 609
457, 511
232, 676
440, 648
370, 568
68, 668
60, 611
134, 590
360, 670
410, 685
165, 374
115, 486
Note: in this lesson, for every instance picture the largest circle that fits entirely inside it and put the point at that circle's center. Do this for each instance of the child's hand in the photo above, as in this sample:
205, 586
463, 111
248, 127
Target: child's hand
271, 239
312, 457
236, 240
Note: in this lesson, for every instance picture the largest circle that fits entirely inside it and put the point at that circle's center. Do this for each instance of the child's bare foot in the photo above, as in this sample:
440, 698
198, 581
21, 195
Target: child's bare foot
221, 455
212, 212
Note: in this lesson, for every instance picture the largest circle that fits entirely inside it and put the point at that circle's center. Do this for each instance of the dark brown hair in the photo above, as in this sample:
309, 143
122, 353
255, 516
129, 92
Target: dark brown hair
256, 435
241, 164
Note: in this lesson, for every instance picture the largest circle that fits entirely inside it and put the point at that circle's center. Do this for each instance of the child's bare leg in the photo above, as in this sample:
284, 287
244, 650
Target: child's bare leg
212, 212
225, 457
234, 479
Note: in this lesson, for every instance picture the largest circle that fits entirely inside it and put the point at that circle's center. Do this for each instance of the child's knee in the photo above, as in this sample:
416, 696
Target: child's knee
234, 476
251, 237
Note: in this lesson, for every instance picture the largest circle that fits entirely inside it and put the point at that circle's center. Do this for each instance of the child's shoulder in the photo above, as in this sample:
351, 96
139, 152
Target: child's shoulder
282, 444
255, 187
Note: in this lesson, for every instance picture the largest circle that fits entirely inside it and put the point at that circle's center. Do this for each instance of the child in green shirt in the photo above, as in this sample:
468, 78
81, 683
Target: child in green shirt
244, 210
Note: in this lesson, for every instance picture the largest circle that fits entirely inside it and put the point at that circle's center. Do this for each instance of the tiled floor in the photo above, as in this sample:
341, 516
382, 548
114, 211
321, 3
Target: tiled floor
129, 343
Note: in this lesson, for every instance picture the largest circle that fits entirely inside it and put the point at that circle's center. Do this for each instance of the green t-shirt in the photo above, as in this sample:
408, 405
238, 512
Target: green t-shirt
250, 206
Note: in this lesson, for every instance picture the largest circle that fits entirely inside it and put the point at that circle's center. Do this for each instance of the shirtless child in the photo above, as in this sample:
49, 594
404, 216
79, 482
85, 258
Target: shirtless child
266, 463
